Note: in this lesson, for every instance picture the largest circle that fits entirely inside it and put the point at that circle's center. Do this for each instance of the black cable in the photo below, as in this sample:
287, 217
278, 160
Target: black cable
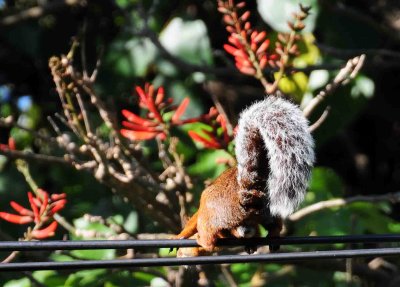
202, 260
170, 243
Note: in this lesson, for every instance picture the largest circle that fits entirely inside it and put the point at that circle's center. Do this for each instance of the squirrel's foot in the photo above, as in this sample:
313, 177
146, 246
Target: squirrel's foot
207, 243
274, 247
175, 237
250, 249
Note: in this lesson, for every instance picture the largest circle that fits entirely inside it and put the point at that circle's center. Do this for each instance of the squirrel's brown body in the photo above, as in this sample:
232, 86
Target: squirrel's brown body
223, 212
275, 154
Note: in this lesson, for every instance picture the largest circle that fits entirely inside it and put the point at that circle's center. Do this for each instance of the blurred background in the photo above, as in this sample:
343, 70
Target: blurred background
179, 45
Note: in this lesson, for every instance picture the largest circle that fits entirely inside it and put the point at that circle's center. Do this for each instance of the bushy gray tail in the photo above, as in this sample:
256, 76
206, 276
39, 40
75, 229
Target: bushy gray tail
275, 153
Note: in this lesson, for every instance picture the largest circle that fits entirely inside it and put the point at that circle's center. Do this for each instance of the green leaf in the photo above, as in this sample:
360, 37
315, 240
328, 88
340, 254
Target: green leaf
5, 110
363, 87
22, 138
309, 52
277, 13
83, 224
61, 257
131, 57
103, 254
159, 282
188, 40
325, 184
333, 221
370, 217
294, 85
85, 278
131, 223
49, 278
24, 282
243, 272
318, 79
146, 277
206, 165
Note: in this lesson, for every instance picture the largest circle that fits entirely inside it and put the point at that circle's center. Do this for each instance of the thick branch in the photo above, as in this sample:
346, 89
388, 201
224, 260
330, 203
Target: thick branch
39, 11
33, 157
391, 197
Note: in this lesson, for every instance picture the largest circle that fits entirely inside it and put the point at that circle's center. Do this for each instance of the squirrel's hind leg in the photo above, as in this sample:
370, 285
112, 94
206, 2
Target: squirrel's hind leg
207, 237
189, 231
274, 230
190, 228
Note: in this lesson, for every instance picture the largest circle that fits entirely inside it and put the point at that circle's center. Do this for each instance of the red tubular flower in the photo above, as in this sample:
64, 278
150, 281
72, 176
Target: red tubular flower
153, 125
249, 47
10, 146
34, 206
57, 206
20, 209
180, 110
140, 135
45, 232
17, 219
218, 137
58, 196
211, 143
43, 207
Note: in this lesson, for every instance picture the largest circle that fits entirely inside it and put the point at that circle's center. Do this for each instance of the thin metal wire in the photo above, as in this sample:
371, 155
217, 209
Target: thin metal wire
202, 260
170, 243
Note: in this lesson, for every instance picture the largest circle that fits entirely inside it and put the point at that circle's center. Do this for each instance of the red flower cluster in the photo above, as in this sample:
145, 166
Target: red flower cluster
9, 146
42, 210
153, 124
216, 136
249, 47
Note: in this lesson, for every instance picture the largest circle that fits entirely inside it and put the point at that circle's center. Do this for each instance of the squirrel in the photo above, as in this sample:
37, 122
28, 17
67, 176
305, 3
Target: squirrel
275, 154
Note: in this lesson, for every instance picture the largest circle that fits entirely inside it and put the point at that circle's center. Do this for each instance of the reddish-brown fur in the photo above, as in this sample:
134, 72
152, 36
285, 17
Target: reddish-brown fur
223, 208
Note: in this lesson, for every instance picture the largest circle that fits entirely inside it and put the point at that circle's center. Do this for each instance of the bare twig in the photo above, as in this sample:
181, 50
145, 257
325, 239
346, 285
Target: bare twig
320, 121
33, 157
84, 115
83, 50
391, 197
228, 276
347, 73
54, 125
95, 72
10, 257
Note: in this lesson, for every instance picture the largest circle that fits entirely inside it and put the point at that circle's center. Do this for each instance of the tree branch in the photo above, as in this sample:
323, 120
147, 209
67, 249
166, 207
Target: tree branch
33, 157
39, 11
391, 197
347, 73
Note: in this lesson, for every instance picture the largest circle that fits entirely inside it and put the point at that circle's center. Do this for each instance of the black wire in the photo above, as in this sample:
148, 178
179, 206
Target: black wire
202, 260
170, 243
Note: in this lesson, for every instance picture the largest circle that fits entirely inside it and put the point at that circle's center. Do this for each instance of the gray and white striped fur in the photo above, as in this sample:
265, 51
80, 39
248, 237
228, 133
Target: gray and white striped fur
274, 147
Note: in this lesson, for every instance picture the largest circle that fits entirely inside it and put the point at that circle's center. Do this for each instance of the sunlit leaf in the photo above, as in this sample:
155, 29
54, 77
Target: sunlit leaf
363, 87
188, 40
294, 85
277, 12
